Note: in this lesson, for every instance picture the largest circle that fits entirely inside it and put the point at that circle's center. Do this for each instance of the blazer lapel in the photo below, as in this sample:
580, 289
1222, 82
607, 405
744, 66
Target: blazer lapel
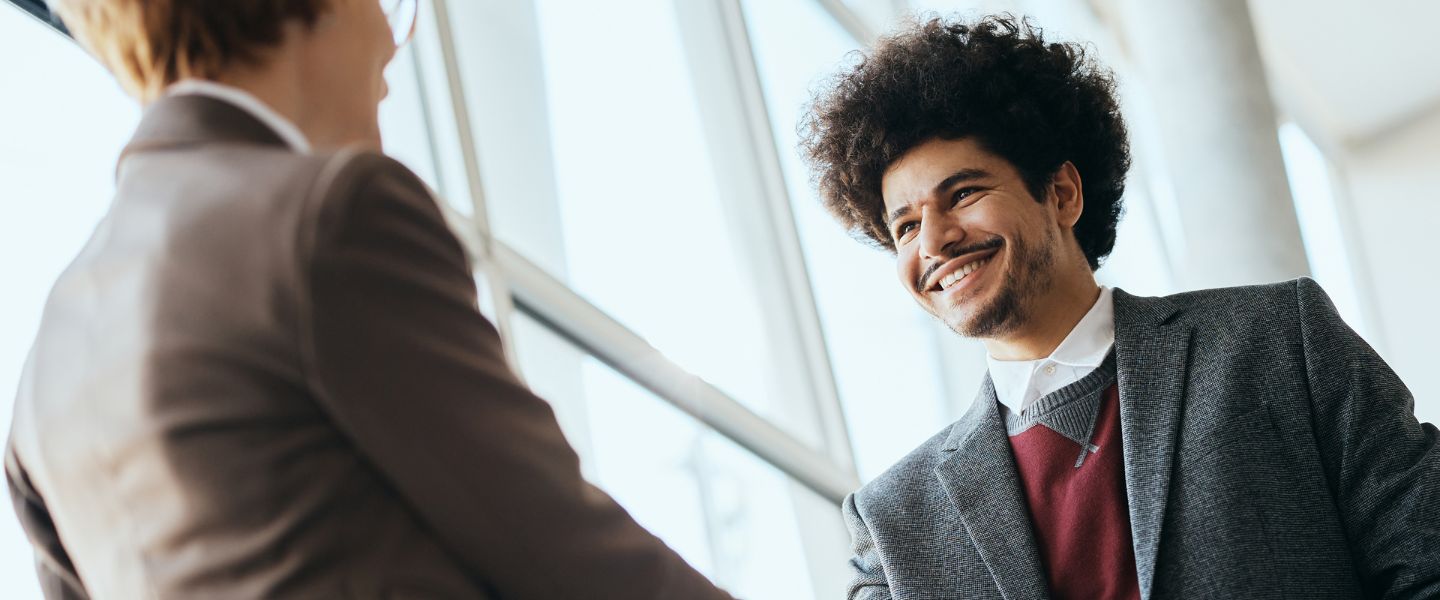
1152, 354
979, 476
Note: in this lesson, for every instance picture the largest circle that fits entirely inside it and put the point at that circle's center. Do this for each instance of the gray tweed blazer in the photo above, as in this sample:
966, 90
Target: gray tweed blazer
1269, 453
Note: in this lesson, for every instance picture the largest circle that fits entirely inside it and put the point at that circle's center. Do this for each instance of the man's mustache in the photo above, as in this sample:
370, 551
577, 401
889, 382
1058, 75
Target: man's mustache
953, 251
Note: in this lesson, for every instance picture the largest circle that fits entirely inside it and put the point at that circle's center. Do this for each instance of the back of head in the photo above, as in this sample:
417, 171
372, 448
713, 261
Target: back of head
150, 44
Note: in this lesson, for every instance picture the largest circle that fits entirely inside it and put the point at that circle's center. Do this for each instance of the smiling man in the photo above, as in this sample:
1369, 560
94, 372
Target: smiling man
1225, 443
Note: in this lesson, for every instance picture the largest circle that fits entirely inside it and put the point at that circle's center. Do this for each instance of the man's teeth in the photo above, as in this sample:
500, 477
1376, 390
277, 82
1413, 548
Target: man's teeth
950, 279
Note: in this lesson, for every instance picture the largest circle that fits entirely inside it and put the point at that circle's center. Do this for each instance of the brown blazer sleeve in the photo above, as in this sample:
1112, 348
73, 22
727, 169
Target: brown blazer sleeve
410, 370
58, 578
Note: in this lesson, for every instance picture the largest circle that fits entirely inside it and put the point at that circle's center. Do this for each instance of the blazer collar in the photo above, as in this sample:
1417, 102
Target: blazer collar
184, 120
978, 474
1152, 353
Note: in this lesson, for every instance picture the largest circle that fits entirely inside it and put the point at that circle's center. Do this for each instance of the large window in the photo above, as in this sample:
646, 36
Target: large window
621, 191
641, 217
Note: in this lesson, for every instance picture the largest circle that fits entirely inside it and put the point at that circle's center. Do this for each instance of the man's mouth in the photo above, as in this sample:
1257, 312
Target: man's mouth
964, 271
957, 270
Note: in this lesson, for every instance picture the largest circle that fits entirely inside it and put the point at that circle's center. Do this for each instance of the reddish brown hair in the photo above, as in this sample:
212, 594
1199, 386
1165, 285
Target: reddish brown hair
150, 44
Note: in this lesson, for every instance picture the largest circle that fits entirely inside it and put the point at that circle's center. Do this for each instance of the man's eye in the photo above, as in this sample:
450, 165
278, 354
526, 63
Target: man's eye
961, 194
905, 228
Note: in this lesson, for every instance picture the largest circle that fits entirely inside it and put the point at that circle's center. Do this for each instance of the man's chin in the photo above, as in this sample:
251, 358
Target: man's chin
982, 318
966, 324
967, 305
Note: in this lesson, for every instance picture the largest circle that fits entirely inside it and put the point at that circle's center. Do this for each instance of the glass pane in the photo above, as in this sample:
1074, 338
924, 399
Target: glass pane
403, 126
730, 514
644, 232
882, 345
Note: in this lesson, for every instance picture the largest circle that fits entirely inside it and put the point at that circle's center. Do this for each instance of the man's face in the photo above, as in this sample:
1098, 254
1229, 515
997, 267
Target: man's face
346, 56
973, 246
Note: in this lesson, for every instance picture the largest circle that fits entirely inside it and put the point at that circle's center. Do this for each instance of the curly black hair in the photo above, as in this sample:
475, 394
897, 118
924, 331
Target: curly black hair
996, 81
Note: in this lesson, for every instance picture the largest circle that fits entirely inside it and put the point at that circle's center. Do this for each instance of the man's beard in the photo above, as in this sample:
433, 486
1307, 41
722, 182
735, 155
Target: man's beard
1029, 277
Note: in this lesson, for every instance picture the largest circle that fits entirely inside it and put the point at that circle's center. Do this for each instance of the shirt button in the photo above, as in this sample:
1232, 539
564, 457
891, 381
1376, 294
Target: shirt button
1049, 369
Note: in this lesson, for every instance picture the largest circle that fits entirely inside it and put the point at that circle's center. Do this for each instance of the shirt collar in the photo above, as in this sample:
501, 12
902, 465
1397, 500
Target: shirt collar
247, 102
1089, 342
1083, 349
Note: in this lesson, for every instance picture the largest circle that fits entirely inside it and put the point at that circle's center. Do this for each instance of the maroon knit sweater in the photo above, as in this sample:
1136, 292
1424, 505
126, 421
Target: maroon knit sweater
1067, 453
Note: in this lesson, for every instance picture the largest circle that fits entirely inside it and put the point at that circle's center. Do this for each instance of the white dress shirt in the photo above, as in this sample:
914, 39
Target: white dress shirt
1019, 383
244, 101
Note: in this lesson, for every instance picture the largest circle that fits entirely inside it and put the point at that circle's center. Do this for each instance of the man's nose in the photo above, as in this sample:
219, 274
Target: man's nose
937, 231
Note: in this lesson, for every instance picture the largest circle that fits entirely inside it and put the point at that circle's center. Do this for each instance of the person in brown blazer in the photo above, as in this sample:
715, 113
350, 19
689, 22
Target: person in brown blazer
265, 375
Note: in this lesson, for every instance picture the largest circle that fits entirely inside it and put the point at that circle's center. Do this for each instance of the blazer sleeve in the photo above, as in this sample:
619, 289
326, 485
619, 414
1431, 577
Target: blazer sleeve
58, 578
409, 369
867, 581
1382, 464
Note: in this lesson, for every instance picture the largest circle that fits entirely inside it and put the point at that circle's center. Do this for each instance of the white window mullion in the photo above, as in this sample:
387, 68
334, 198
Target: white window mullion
737, 128
502, 134
498, 295
757, 205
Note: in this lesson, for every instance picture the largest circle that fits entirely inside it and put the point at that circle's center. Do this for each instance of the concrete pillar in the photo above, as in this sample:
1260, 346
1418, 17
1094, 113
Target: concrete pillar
1202, 70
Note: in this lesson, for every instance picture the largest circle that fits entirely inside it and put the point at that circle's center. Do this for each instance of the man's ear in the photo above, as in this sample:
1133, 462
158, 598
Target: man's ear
1069, 195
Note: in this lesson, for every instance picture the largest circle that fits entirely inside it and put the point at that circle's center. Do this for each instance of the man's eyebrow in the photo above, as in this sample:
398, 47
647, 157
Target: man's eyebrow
960, 176
897, 213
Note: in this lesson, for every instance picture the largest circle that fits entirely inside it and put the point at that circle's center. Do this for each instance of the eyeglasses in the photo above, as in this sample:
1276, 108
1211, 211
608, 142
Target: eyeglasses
402, 15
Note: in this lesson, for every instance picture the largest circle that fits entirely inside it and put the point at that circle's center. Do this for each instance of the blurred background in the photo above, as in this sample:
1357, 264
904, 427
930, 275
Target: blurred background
727, 361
